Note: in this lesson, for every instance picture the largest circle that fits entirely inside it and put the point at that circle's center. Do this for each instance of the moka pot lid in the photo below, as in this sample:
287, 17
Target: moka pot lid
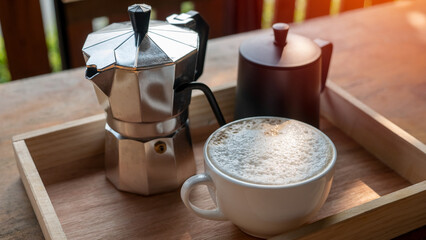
138, 44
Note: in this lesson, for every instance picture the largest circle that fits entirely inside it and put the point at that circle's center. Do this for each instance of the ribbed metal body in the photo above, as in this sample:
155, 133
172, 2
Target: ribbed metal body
135, 68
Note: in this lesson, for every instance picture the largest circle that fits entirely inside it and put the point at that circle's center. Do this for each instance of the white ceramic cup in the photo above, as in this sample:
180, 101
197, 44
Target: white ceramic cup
257, 209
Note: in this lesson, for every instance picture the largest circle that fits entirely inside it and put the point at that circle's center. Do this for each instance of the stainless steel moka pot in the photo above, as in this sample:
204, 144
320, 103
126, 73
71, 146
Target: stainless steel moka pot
143, 73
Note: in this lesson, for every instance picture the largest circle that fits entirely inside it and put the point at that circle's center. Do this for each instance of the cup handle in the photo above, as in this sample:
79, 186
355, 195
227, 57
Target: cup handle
188, 186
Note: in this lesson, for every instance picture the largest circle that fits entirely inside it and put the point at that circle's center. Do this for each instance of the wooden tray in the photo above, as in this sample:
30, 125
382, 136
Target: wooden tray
376, 194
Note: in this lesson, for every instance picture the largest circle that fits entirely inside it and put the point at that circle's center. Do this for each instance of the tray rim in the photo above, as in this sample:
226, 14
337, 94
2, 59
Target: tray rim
333, 100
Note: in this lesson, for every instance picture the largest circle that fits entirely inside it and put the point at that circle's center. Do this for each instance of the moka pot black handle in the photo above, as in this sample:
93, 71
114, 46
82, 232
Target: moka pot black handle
194, 21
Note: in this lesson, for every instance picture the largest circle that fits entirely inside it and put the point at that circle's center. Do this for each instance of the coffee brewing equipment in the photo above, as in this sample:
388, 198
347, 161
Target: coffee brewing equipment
143, 72
282, 74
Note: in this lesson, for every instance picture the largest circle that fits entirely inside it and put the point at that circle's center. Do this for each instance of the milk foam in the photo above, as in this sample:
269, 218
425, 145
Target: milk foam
269, 151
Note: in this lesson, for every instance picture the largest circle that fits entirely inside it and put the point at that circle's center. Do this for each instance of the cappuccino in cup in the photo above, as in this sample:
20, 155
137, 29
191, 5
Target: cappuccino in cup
267, 175
270, 151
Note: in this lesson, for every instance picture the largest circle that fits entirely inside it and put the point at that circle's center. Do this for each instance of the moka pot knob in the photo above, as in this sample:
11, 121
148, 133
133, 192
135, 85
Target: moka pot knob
139, 15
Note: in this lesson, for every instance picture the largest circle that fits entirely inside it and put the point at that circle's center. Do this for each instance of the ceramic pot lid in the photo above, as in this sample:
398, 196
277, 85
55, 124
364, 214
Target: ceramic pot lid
280, 49
138, 44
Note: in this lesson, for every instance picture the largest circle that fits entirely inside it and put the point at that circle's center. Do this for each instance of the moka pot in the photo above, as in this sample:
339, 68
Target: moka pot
143, 72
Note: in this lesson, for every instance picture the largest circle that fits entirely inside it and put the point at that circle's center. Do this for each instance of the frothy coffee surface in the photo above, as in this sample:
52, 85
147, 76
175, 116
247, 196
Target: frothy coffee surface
269, 151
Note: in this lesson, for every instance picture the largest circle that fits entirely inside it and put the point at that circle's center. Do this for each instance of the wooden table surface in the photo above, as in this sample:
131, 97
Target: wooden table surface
379, 57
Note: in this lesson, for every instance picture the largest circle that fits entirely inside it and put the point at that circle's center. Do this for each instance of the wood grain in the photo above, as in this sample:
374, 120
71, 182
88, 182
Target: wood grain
378, 58
392, 212
25, 106
87, 205
70, 141
407, 156
43, 208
